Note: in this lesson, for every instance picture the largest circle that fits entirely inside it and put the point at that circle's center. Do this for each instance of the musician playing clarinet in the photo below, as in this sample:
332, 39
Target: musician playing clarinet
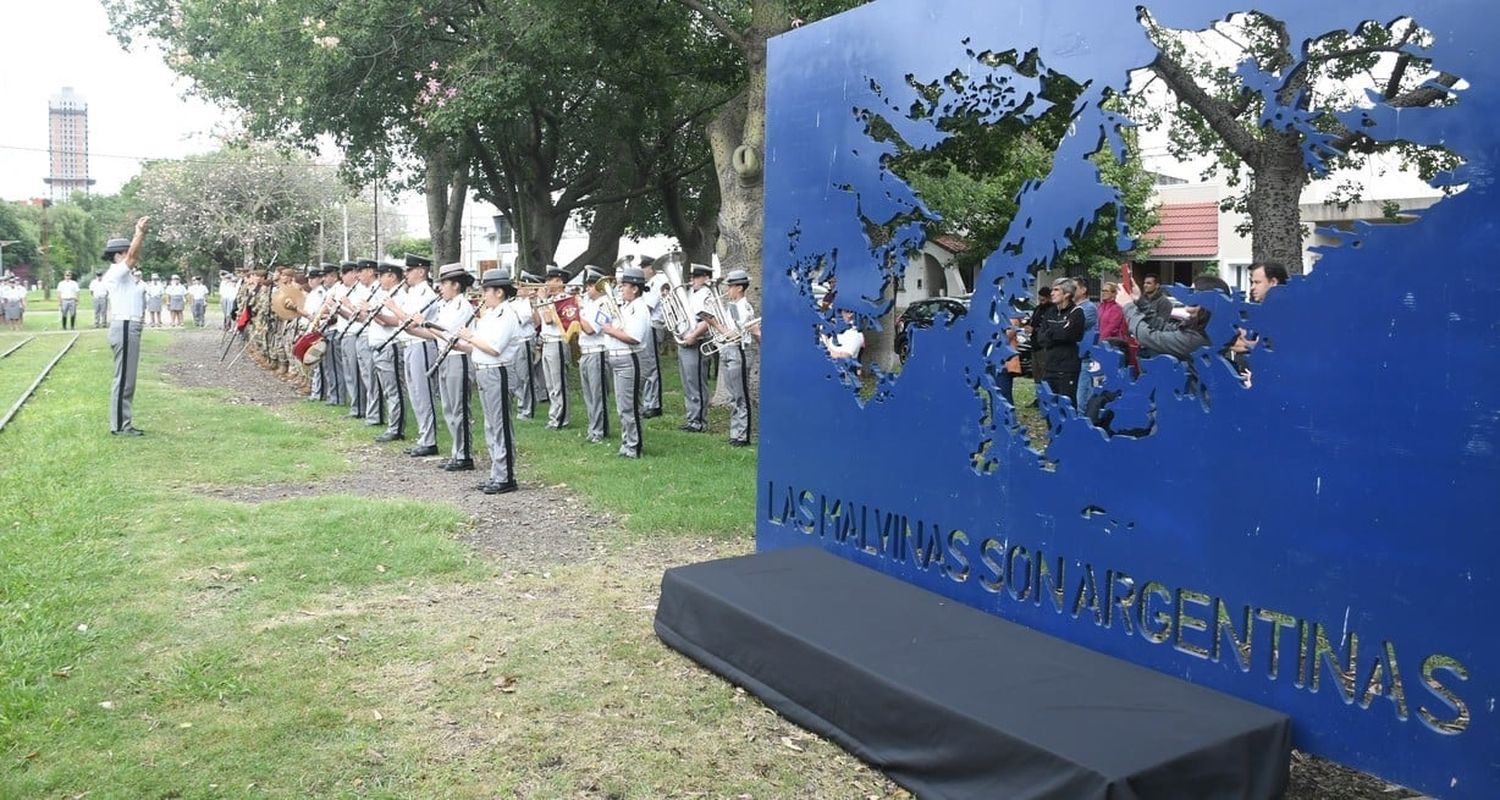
386, 385
495, 339
453, 314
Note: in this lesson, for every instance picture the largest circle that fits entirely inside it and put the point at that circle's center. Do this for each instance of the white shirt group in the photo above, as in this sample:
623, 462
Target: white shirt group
67, 289
198, 292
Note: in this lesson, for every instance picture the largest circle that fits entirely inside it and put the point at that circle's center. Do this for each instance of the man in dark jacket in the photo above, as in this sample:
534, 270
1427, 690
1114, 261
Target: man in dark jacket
1058, 333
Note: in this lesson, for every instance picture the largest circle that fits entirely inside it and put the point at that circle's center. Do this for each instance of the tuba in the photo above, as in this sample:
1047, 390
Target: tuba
605, 286
676, 302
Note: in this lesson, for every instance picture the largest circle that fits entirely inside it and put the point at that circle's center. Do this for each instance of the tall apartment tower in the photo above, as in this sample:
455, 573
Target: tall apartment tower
68, 124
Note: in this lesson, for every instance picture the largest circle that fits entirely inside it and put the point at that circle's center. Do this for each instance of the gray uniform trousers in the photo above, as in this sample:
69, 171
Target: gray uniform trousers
125, 342
651, 370
333, 376
101, 310
555, 364
419, 356
371, 394
387, 386
538, 374
454, 390
354, 388
627, 370
69, 309
694, 385
200, 312
737, 381
494, 398
518, 378
593, 375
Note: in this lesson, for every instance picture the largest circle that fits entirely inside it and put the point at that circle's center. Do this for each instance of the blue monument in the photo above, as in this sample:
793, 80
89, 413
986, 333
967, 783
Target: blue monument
1318, 542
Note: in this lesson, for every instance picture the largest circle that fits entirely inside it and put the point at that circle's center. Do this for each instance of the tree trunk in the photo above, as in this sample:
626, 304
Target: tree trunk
447, 191
1274, 202
604, 238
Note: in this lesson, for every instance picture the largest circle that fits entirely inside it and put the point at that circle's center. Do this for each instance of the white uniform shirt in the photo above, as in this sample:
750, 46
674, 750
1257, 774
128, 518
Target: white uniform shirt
593, 311
175, 291
850, 341
378, 333
698, 301
452, 315
97, 287
500, 328
229, 288
339, 292
313, 301
198, 292
551, 331
416, 300
67, 289
154, 289
126, 293
521, 308
658, 286
635, 319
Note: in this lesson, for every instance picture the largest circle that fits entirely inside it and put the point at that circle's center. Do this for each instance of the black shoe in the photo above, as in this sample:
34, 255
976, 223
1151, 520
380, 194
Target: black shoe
690, 428
419, 452
739, 442
389, 437
459, 465
354, 415
651, 413
499, 488
128, 432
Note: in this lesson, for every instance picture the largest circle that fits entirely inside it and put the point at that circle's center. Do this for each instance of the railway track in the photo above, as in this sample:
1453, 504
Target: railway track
18, 346
31, 390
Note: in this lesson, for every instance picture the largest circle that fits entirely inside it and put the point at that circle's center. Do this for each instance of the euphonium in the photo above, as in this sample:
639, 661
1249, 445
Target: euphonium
676, 306
730, 331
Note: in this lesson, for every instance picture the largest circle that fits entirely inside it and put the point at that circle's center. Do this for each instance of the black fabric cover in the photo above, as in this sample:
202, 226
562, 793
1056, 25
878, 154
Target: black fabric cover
952, 702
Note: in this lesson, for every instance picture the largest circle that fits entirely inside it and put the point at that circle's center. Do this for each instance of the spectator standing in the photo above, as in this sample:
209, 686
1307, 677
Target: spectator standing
1090, 338
1057, 338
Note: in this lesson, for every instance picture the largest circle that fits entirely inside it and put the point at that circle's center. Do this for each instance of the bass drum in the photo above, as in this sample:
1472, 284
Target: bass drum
309, 348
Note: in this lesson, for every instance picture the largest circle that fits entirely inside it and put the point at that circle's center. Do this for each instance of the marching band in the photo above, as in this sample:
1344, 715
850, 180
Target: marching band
371, 336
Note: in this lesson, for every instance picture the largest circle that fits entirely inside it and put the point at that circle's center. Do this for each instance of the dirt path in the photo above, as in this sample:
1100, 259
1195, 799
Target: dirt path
539, 525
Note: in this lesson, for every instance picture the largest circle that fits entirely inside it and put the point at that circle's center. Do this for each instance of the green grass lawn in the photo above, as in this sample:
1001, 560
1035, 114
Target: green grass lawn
158, 643
690, 483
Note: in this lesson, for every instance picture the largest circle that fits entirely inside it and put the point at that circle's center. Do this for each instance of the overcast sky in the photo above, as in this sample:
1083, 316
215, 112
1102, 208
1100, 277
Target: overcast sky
136, 105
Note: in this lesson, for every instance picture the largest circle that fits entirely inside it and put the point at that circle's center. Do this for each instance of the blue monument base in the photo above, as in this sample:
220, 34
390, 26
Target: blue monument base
952, 702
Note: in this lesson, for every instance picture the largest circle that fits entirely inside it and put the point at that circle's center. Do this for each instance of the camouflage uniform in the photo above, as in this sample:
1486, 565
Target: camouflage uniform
261, 319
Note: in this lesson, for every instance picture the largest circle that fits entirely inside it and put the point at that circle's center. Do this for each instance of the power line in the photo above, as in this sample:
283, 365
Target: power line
197, 159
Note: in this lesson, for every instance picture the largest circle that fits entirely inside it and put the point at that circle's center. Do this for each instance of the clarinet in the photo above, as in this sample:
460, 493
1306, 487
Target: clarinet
452, 340
405, 325
373, 311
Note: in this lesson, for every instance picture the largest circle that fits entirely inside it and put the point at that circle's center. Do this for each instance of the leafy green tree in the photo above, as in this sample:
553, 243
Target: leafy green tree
1274, 113
396, 247
239, 206
301, 70
14, 228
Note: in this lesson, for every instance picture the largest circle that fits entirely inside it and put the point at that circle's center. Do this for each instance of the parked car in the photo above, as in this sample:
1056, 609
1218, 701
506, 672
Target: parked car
923, 314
